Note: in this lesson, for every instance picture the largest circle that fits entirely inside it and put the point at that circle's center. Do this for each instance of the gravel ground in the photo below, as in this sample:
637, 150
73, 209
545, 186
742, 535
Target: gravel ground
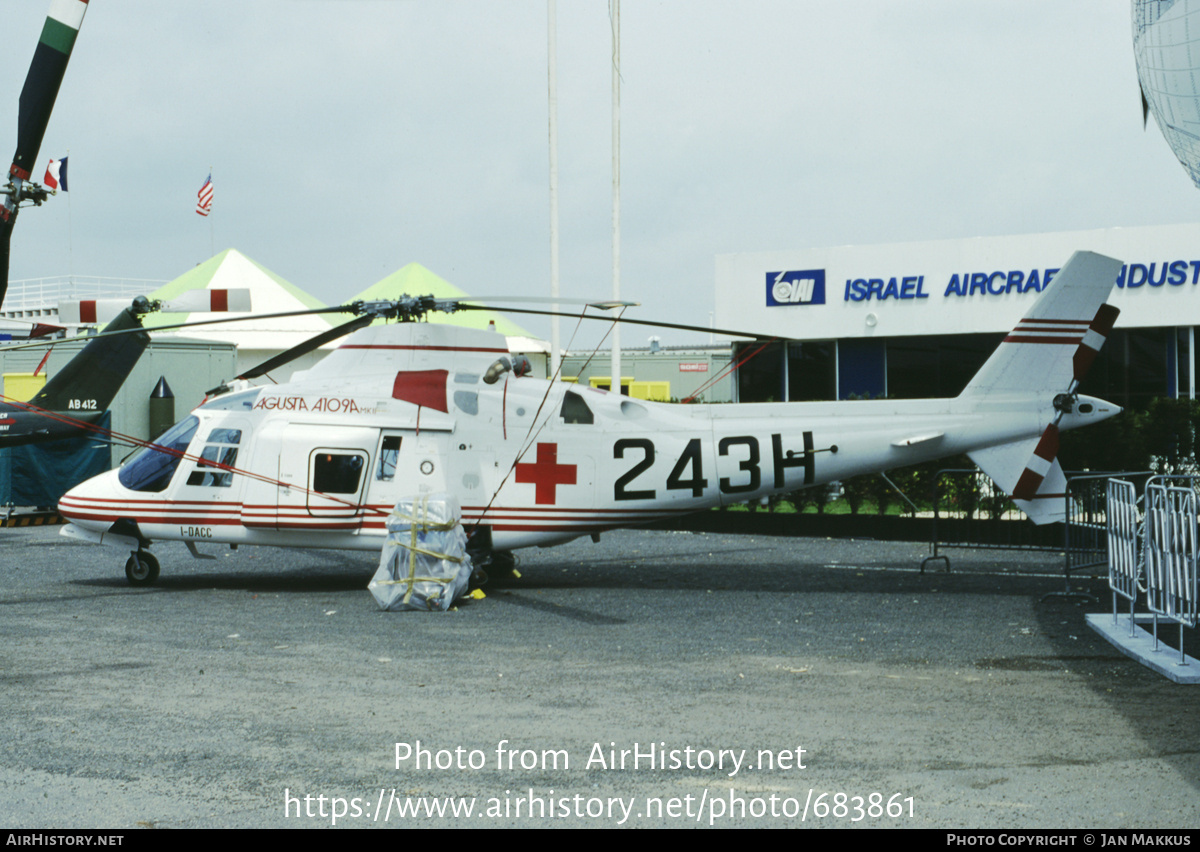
650, 679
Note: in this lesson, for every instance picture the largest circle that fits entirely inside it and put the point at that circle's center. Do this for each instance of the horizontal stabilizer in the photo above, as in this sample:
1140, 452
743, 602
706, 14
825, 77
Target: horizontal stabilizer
913, 440
1006, 465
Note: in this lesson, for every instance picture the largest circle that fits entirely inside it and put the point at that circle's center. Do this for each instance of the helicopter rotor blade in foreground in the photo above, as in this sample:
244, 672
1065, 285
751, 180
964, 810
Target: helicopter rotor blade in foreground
36, 103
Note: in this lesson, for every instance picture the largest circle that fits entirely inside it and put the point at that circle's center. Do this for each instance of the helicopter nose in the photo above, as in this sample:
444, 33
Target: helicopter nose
89, 504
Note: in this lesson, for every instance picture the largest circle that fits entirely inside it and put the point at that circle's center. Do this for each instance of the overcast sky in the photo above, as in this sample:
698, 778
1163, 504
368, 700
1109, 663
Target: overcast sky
348, 138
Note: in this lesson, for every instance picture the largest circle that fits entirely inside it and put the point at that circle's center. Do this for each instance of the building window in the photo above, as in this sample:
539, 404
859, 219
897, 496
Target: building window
760, 373
936, 366
812, 372
862, 369
1133, 367
913, 368
1184, 338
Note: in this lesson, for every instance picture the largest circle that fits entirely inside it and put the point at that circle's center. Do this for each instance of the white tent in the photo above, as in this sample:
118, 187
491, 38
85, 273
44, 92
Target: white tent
257, 339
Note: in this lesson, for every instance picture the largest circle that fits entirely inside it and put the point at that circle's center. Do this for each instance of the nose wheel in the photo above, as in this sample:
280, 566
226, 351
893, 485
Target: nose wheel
141, 569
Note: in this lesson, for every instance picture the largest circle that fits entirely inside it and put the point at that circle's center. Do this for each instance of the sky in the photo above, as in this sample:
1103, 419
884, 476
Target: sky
347, 138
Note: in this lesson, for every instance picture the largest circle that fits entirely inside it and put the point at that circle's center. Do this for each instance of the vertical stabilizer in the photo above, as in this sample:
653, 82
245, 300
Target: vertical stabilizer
91, 379
1006, 465
1048, 354
1053, 346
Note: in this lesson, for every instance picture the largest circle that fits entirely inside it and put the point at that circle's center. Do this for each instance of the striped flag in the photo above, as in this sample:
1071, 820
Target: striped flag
204, 198
56, 174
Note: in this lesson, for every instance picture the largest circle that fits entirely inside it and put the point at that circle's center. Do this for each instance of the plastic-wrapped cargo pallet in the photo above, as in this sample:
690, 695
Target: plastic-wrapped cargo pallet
424, 564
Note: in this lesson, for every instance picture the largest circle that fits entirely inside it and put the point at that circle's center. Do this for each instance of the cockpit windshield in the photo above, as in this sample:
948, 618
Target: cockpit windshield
152, 467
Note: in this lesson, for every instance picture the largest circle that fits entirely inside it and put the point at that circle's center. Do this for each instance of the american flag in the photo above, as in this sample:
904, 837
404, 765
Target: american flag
204, 198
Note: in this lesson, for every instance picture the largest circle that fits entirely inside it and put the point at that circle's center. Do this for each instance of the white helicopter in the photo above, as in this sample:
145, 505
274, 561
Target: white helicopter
411, 408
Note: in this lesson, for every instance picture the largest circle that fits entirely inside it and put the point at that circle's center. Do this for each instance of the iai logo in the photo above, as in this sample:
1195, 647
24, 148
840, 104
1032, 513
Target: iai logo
798, 287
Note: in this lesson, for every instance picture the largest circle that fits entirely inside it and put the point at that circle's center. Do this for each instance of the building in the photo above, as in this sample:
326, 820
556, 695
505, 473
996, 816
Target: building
660, 374
918, 319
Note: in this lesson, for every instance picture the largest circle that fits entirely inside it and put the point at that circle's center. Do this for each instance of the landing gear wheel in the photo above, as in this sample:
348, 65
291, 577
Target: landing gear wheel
501, 566
141, 569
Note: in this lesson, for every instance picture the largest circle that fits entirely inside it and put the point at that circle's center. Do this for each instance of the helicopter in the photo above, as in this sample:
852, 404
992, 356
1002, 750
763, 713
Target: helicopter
414, 408
76, 397
79, 393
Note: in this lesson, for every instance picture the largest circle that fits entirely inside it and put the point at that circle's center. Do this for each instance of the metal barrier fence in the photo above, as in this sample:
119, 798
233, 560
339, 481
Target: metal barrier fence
1124, 537
1171, 550
1155, 551
1085, 531
970, 512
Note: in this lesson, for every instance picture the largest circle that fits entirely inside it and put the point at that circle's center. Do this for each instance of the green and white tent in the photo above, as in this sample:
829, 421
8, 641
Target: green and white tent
257, 339
415, 280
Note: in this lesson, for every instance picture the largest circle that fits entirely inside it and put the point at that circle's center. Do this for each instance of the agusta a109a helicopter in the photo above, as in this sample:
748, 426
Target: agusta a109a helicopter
413, 408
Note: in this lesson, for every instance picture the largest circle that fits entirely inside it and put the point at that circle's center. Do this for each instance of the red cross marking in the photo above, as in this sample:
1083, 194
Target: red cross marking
546, 473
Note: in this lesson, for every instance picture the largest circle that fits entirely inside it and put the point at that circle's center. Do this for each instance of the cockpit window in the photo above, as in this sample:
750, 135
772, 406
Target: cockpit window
152, 467
219, 454
389, 452
575, 410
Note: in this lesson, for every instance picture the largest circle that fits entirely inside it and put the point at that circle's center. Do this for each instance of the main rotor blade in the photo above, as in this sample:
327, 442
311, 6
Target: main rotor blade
336, 309
307, 346
37, 99
6, 229
43, 81
651, 323
177, 326
553, 300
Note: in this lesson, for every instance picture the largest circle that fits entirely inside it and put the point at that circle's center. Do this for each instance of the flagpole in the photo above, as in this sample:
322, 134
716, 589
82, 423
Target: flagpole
552, 62
615, 15
70, 237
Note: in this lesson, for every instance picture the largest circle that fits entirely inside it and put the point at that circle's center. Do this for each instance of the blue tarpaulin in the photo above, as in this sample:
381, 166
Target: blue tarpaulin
39, 474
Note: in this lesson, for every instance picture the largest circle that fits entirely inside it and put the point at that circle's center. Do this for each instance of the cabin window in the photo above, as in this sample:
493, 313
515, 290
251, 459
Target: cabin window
152, 467
575, 410
218, 454
337, 473
388, 454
